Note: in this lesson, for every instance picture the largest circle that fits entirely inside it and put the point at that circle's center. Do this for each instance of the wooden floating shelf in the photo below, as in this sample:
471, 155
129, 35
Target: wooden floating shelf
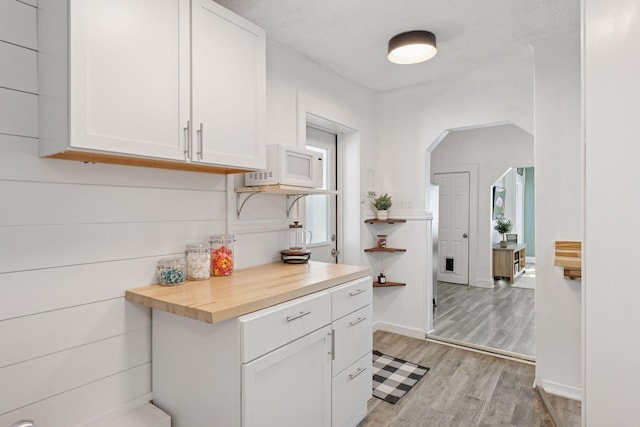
384, 221
569, 256
388, 284
385, 250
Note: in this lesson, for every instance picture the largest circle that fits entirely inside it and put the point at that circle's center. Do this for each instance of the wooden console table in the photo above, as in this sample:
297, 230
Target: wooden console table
509, 262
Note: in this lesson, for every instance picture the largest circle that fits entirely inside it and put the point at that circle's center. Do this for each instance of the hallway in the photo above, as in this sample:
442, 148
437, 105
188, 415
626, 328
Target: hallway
501, 318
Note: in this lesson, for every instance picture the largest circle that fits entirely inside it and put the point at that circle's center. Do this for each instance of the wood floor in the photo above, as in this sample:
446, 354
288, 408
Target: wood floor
501, 318
463, 388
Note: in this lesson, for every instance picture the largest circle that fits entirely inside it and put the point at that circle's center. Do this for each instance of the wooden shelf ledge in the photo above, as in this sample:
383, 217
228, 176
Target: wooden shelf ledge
569, 256
385, 250
388, 284
384, 221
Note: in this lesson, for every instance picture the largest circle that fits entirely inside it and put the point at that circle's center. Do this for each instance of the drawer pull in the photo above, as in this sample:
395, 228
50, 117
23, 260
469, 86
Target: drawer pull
359, 291
358, 372
358, 320
297, 316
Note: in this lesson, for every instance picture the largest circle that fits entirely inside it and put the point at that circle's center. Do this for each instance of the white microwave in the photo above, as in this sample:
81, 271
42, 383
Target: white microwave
288, 165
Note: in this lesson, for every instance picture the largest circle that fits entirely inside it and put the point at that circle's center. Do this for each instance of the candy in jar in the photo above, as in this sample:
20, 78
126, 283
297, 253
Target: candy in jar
171, 271
198, 261
222, 254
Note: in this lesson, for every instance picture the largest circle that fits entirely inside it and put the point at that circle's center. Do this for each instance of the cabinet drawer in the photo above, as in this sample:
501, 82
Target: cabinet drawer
353, 338
273, 327
351, 296
351, 391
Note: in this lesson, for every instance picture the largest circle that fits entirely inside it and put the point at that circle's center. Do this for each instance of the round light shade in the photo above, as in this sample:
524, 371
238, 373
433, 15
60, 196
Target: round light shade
412, 47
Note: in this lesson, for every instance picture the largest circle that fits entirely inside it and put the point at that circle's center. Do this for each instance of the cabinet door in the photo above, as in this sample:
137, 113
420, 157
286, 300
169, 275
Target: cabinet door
129, 68
291, 386
228, 88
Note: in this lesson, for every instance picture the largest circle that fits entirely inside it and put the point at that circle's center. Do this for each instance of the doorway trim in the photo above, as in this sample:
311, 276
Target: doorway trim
325, 115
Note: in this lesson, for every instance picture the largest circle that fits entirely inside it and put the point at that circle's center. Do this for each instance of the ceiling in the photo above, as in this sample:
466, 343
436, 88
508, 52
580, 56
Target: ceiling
350, 36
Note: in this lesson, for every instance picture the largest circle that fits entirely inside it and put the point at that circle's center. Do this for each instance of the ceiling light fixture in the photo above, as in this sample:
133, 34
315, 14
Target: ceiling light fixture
412, 47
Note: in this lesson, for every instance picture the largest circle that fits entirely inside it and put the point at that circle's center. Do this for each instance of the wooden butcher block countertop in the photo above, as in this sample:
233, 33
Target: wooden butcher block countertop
246, 290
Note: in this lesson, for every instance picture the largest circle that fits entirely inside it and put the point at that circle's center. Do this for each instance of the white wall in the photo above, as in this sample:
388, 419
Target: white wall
558, 214
612, 212
492, 150
403, 309
411, 119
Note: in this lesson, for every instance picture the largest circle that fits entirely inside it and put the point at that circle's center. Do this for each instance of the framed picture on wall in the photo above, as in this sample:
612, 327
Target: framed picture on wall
512, 238
498, 202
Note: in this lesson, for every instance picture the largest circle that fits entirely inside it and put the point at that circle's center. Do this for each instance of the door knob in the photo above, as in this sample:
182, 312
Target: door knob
334, 252
465, 235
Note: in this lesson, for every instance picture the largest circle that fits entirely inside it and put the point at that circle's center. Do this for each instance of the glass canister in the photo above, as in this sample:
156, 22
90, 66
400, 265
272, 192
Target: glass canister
198, 261
222, 254
172, 271
381, 241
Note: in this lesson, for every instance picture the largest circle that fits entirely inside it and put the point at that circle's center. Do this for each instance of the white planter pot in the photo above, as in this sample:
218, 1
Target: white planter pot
382, 214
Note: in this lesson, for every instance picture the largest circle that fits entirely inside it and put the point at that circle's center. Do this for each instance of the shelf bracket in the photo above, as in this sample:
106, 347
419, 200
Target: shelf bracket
238, 197
295, 200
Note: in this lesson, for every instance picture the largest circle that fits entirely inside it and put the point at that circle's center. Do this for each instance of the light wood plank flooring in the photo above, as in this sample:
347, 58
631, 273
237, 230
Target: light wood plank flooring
502, 318
463, 388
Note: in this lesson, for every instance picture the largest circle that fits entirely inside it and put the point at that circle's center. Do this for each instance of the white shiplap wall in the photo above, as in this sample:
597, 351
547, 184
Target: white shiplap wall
73, 237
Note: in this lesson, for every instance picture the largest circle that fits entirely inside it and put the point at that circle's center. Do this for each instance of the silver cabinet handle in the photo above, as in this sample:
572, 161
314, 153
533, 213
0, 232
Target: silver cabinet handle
358, 372
358, 320
297, 316
333, 344
187, 141
200, 137
24, 423
359, 291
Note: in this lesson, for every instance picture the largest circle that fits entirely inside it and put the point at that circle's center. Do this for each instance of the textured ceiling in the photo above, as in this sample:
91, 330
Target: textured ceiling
350, 36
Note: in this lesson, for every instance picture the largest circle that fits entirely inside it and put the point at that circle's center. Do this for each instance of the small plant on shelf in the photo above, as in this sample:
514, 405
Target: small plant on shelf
503, 226
382, 203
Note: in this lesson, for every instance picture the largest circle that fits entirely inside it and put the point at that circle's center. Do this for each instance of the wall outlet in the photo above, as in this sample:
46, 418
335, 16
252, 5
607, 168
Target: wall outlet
371, 193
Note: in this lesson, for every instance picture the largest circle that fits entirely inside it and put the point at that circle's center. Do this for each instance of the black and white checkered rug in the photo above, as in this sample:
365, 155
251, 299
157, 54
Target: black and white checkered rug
393, 377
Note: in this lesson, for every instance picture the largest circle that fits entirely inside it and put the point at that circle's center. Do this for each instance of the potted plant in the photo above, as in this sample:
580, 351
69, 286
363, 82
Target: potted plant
382, 203
503, 226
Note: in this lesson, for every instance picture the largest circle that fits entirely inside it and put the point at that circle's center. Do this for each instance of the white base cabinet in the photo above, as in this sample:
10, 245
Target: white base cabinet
303, 362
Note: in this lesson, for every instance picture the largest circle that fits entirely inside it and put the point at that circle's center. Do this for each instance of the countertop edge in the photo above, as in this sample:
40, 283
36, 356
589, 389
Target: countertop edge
207, 312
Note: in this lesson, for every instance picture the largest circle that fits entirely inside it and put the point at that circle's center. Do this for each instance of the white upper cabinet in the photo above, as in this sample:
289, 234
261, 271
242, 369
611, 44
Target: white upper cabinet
228, 87
124, 81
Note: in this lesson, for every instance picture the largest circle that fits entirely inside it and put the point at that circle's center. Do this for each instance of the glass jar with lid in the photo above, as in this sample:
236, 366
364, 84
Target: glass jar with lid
198, 261
171, 271
222, 254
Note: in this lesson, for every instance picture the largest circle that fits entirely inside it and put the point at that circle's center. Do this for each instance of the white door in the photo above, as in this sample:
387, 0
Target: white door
291, 386
453, 227
228, 87
129, 85
321, 209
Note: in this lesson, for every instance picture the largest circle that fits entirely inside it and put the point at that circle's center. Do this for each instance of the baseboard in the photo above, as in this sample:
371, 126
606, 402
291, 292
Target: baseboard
561, 390
482, 283
398, 329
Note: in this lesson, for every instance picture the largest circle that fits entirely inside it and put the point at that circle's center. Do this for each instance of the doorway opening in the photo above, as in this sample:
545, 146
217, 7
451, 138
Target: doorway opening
481, 311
